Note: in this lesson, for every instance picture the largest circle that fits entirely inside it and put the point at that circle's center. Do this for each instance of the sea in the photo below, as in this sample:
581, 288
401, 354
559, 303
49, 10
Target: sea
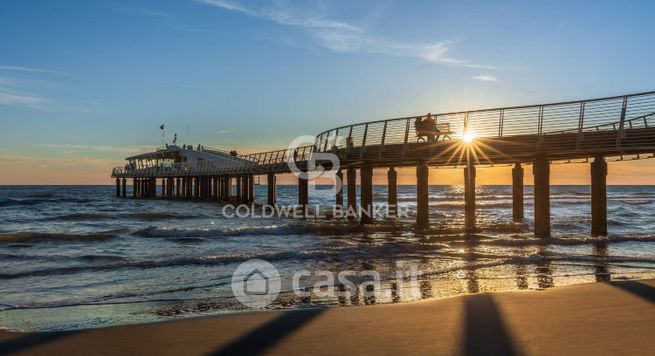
78, 257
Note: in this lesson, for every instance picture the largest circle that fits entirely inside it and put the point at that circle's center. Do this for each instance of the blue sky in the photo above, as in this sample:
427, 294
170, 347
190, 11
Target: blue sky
87, 82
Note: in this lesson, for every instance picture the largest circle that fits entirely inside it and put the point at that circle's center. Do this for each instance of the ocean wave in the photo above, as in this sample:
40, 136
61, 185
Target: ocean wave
6, 202
18, 237
328, 228
144, 216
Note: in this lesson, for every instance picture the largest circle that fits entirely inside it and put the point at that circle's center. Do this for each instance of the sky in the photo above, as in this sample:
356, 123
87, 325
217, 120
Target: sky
84, 84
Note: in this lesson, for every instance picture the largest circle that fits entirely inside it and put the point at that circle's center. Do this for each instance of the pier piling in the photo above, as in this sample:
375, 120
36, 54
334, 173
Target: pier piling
124, 188
599, 196
303, 194
422, 196
339, 195
351, 175
541, 170
366, 192
270, 182
251, 188
517, 192
469, 197
118, 187
392, 192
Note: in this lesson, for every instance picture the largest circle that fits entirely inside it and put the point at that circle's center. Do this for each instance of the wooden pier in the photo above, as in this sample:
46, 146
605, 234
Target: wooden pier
590, 131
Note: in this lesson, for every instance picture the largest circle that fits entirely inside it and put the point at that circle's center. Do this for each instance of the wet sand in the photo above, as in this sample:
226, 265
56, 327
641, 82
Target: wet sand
598, 318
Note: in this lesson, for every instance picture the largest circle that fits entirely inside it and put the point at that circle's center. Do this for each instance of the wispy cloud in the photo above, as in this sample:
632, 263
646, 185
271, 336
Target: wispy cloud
78, 148
225, 131
485, 78
13, 91
344, 37
28, 69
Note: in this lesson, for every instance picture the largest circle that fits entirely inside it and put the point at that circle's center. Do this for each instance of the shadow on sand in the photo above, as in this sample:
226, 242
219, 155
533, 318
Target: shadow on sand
485, 332
29, 341
637, 288
261, 339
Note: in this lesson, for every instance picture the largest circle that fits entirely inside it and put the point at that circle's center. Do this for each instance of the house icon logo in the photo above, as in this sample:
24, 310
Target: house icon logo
256, 283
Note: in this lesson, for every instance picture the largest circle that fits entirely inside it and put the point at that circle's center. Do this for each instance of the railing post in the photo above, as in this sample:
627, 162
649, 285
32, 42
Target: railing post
580, 137
624, 108
406, 136
384, 134
361, 151
501, 123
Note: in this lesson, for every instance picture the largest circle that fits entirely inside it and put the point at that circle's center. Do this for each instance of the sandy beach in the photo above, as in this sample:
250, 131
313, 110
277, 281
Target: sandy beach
598, 318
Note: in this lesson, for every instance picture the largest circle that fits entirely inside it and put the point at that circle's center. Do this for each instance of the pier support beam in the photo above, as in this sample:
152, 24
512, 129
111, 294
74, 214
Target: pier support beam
422, 197
163, 187
599, 196
366, 192
469, 197
118, 187
196, 190
270, 182
239, 183
339, 195
392, 192
153, 186
135, 187
303, 194
541, 170
124, 190
351, 175
228, 189
517, 192
216, 189
177, 187
189, 187
251, 188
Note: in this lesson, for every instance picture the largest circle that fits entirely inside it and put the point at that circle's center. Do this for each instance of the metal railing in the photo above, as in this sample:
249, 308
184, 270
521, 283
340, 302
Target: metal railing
618, 113
583, 125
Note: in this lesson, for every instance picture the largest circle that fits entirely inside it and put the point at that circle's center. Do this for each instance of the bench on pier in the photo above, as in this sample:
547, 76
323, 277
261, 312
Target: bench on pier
439, 131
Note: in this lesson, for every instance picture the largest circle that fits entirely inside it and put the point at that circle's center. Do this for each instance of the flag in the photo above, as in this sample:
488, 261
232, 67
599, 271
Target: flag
161, 127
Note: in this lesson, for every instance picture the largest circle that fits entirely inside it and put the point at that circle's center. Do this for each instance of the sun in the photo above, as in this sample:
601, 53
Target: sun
469, 136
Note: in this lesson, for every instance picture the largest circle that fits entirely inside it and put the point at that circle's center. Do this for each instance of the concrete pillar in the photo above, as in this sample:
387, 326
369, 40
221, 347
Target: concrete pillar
392, 192
303, 194
135, 187
185, 184
517, 192
163, 187
351, 175
339, 196
239, 183
251, 188
118, 187
422, 197
270, 182
196, 192
215, 185
469, 197
599, 196
124, 187
228, 188
366, 194
153, 183
177, 187
541, 170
